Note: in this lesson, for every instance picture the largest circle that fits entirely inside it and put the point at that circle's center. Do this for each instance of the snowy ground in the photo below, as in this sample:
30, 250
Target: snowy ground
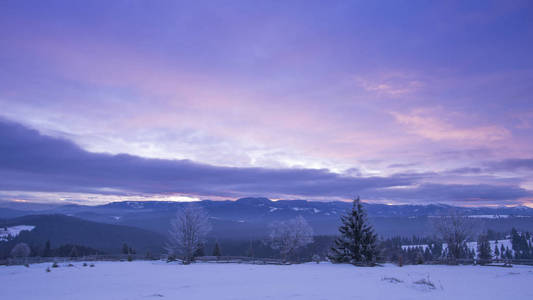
148, 280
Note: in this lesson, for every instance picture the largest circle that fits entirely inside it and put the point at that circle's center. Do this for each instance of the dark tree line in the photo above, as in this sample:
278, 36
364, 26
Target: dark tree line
417, 250
522, 244
46, 250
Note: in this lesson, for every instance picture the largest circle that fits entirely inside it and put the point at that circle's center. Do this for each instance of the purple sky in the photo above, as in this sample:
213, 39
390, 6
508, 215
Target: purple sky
397, 101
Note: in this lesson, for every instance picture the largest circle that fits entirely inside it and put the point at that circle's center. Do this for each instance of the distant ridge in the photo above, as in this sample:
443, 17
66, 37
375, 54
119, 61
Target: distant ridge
61, 230
251, 216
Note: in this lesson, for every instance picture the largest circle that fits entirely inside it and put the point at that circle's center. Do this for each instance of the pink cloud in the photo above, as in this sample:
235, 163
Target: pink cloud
426, 124
173, 98
390, 83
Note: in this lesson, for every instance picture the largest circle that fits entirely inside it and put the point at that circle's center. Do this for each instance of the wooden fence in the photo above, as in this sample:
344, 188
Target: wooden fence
231, 259
125, 257
241, 259
469, 261
38, 259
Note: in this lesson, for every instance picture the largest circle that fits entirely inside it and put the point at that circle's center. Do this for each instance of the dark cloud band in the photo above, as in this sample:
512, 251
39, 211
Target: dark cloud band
30, 161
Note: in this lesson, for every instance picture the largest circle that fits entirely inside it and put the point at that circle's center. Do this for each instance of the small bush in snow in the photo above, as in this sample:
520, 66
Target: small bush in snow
426, 282
419, 259
392, 279
85, 264
55, 265
149, 255
27, 265
400, 261
316, 258
48, 270
91, 265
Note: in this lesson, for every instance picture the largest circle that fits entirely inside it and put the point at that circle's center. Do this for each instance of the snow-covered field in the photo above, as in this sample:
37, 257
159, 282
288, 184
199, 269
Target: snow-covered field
148, 280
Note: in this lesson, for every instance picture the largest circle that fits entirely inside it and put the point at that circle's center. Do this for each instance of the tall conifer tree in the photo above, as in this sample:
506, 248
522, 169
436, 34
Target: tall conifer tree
484, 252
216, 250
47, 249
357, 243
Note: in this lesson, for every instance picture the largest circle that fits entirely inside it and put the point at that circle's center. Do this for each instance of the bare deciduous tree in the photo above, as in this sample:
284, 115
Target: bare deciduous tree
187, 233
21, 250
287, 236
454, 230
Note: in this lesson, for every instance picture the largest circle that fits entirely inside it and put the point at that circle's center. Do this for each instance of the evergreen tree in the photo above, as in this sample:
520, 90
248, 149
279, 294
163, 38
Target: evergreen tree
125, 249
521, 244
200, 250
357, 243
427, 254
73, 252
483, 249
436, 250
419, 258
216, 251
471, 252
517, 243
250, 251
496, 250
47, 251
508, 253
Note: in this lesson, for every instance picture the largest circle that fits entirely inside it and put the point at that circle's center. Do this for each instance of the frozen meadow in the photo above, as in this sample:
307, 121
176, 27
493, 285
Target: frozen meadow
146, 280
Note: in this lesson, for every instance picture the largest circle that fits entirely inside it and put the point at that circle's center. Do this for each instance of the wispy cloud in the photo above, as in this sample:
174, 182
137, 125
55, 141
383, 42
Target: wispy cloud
429, 124
390, 84
465, 194
511, 165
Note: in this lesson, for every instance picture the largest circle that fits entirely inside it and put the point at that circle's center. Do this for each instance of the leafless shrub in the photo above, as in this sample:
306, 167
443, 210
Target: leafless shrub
454, 230
287, 236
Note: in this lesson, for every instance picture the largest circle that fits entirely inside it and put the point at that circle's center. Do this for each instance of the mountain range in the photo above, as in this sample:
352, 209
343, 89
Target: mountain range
248, 218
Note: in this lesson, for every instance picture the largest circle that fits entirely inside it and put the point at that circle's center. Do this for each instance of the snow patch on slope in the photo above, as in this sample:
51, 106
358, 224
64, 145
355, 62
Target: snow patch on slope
471, 245
489, 216
13, 231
